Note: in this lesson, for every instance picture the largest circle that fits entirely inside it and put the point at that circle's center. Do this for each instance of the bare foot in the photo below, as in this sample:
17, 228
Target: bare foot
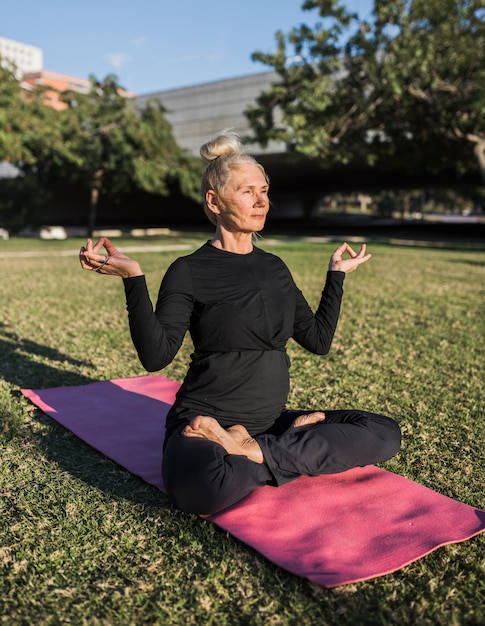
234, 440
307, 420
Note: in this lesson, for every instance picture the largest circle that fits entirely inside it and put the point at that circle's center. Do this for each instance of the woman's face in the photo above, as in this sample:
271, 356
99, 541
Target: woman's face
243, 204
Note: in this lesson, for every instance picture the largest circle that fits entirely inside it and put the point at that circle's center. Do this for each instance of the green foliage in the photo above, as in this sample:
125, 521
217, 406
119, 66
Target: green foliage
99, 142
26, 124
159, 161
113, 149
432, 91
11, 147
391, 91
28, 127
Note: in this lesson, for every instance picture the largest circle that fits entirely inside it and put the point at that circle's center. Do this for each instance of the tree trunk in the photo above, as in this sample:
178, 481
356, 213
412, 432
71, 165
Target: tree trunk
309, 203
92, 211
93, 208
479, 152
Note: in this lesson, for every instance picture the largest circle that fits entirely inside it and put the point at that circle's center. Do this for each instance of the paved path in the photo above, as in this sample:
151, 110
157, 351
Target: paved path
43, 253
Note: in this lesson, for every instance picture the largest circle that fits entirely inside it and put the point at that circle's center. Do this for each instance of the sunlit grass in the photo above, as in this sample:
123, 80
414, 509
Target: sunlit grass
84, 542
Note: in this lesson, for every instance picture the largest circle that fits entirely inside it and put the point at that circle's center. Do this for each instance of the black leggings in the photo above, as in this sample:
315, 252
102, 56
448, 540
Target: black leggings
201, 477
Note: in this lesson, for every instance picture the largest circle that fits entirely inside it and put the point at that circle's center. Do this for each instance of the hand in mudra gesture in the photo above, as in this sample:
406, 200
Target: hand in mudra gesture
338, 264
114, 263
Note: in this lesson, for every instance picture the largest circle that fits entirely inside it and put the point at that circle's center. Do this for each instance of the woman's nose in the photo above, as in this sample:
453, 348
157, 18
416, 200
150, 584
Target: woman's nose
260, 199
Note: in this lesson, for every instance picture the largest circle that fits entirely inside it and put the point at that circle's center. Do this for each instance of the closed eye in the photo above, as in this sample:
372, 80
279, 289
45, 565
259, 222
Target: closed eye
252, 189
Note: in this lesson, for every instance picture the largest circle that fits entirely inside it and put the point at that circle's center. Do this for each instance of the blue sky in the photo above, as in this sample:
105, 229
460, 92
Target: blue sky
152, 45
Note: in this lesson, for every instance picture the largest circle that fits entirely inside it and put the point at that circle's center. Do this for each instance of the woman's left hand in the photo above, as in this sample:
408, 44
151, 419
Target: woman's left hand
338, 264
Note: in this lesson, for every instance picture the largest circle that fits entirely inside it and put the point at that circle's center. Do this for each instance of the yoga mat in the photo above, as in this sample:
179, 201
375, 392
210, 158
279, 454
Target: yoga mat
332, 530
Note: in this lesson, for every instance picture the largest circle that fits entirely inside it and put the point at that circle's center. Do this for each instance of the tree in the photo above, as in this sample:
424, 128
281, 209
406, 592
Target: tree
11, 147
99, 142
111, 148
391, 90
25, 122
26, 133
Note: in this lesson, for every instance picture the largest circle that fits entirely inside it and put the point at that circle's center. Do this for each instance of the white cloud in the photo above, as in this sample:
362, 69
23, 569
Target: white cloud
118, 59
139, 41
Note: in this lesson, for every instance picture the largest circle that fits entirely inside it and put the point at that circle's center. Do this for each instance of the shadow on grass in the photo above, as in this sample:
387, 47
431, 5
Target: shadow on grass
23, 363
31, 365
93, 468
27, 363
472, 262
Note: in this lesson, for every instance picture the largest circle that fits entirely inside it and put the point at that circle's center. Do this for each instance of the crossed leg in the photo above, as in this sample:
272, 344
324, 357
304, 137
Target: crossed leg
342, 441
207, 468
236, 439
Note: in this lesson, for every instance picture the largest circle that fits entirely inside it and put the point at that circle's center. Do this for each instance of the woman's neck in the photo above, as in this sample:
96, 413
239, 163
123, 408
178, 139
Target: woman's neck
239, 243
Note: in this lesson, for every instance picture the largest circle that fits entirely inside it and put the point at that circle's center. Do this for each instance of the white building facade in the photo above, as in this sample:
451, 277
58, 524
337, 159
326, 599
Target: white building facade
24, 57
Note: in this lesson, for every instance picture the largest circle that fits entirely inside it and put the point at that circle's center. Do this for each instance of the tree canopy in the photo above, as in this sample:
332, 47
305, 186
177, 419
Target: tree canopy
25, 124
10, 102
402, 89
99, 141
112, 148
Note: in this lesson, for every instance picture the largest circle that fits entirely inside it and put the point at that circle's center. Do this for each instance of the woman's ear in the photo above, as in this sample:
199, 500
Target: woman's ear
212, 202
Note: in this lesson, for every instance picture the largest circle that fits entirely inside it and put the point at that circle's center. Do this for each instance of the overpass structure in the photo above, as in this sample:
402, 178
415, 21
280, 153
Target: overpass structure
199, 112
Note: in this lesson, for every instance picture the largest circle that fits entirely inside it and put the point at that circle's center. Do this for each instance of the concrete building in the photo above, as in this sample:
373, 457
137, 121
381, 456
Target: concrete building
24, 57
198, 112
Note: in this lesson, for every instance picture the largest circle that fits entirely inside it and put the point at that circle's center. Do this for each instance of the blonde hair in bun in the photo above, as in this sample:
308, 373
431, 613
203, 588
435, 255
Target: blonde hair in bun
222, 153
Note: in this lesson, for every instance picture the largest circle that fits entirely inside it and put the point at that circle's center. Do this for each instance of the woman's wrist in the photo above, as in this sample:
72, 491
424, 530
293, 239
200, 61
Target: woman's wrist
133, 271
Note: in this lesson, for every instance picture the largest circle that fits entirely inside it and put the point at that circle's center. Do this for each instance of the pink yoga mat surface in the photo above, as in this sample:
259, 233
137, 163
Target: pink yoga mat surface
332, 530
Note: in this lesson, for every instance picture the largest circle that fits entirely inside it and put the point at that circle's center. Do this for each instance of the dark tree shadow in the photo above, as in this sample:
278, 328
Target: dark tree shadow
472, 262
85, 463
28, 364
22, 365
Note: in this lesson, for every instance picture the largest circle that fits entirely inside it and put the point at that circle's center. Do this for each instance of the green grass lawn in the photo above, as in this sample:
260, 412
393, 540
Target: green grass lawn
84, 542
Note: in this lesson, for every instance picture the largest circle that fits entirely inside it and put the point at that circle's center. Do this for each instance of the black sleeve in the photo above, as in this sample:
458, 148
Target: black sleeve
315, 332
157, 335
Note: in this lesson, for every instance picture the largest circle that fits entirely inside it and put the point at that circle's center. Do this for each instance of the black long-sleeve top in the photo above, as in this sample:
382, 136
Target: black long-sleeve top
240, 310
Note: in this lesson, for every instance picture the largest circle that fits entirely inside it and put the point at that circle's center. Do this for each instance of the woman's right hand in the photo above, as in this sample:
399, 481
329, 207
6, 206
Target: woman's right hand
114, 263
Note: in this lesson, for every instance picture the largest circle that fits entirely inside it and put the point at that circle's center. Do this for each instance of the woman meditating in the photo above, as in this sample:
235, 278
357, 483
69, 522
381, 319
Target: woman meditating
229, 430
